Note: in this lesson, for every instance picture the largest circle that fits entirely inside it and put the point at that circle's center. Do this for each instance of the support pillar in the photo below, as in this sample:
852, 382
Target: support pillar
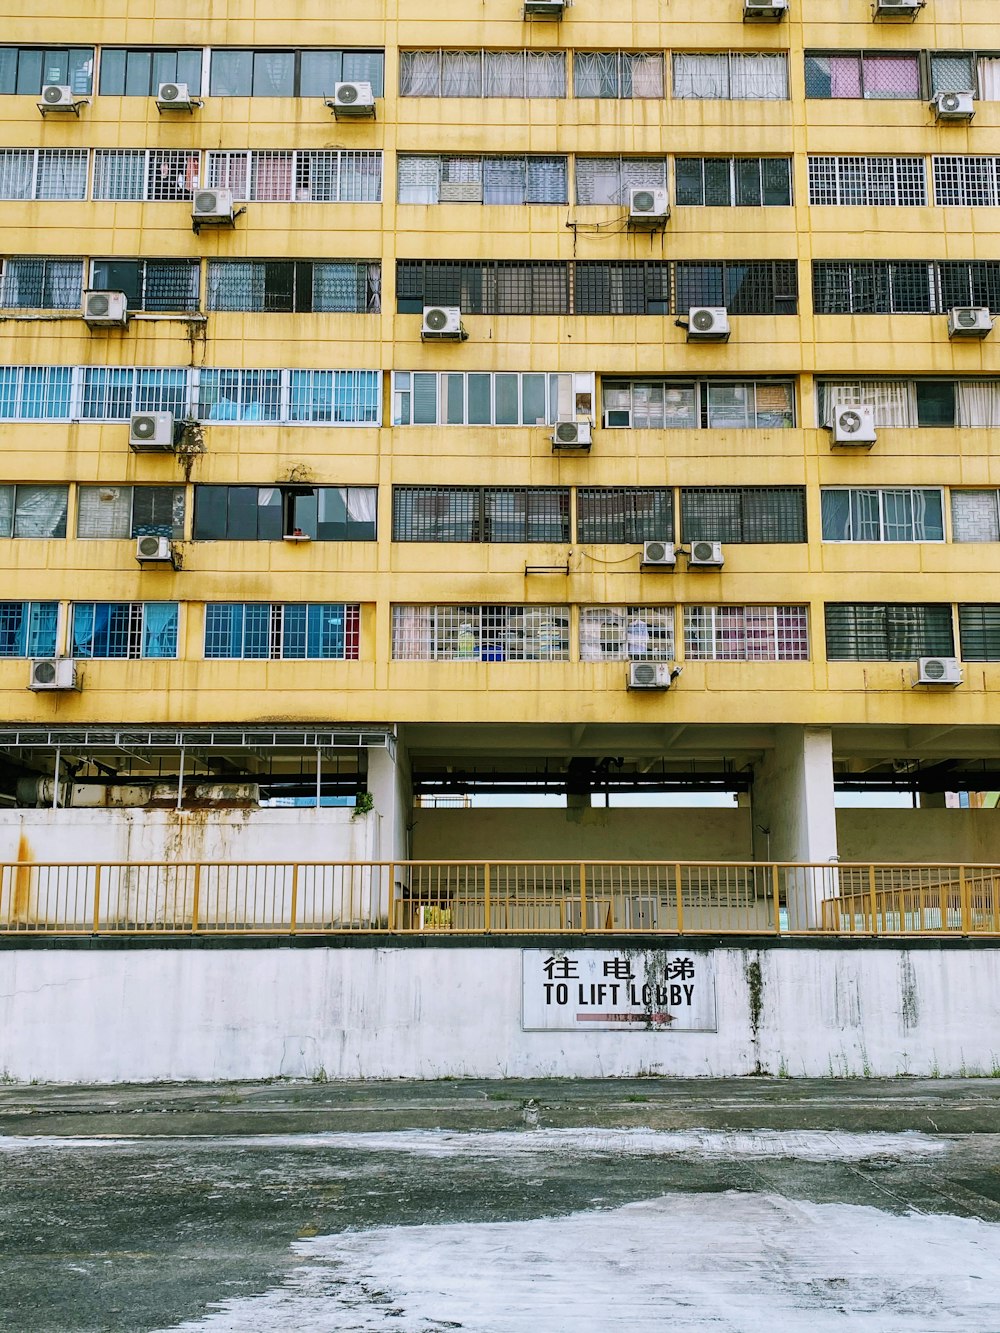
391, 787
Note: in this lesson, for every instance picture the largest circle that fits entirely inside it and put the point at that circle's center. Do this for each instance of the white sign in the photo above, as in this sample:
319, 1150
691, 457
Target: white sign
624, 990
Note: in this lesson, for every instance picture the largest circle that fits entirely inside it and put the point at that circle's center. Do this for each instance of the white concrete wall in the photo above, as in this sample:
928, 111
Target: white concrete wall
425, 1013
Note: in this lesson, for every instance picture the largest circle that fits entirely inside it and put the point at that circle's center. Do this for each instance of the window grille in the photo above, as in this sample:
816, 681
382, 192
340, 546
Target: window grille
877, 514
480, 514
970, 181
743, 514
135, 71
968, 282
334, 397
282, 630
153, 285
480, 633
855, 181
979, 632
28, 629
609, 180
874, 286
297, 176
428, 398
975, 516
726, 182
482, 180
673, 405
621, 288
114, 393
624, 515
43, 173
618, 74
494, 287
268, 513
880, 76
27, 69
124, 629
33, 511
923, 402
130, 511
306, 73
151, 175
746, 633
35, 393
732, 76
41, 284
750, 287
888, 632
627, 634
482, 74
952, 72
339, 286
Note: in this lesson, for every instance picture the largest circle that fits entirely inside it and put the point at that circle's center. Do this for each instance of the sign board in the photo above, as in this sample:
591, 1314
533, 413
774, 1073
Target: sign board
623, 990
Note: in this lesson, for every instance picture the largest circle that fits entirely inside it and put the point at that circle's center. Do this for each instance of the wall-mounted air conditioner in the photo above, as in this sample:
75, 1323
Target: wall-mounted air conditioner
152, 550
571, 435
706, 555
53, 673
763, 10
658, 555
618, 418
151, 432
352, 101
59, 97
175, 97
442, 323
212, 208
650, 675
954, 106
708, 323
896, 9
939, 671
544, 9
969, 321
105, 309
648, 210
853, 425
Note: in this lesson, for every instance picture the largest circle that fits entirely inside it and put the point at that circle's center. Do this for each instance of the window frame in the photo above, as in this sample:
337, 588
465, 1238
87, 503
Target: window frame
702, 410
864, 55
143, 284
178, 505
857, 630
279, 631
47, 51
622, 55
61, 526
265, 52
281, 499
194, 84
137, 631
883, 495
31, 627
743, 626
494, 629
732, 162
483, 527
46, 282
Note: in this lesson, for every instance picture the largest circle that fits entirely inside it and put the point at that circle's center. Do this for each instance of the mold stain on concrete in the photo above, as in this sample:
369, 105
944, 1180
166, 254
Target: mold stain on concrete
909, 1000
754, 977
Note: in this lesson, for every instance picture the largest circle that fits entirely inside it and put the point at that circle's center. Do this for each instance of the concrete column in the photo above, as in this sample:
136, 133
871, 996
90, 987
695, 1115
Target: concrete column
794, 818
932, 800
391, 787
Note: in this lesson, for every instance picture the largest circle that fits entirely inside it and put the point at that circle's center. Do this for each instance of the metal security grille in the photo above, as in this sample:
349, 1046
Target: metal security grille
300, 286
747, 514
618, 74
627, 634
621, 288
154, 174
124, 629
154, 285
725, 182
282, 630
499, 287
903, 286
975, 516
624, 515
610, 180
480, 514
867, 180
113, 394
748, 287
746, 633
41, 284
876, 75
480, 633
43, 173
979, 631
28, 629
970, 181
888, 632
35, 393
297, 176
482, 74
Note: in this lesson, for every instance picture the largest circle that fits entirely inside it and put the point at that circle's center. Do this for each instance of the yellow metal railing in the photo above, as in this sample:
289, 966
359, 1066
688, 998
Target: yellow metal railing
576, 898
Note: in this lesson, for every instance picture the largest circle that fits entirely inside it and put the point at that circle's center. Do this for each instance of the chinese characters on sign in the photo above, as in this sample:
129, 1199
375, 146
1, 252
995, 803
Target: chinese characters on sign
631, 990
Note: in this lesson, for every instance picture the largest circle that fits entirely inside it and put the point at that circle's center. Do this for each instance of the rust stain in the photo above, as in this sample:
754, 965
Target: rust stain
22, 881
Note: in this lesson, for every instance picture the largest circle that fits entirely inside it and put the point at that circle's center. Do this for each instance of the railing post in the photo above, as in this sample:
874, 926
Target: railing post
996, 903
392, 896
97, 899
679, 894
294, 906
872, 894
776, 893
583, 896
196, 897
965, 900
487, 906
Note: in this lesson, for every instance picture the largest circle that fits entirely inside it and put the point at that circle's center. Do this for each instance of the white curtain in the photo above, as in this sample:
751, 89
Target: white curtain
63, 174
598, 180
503, 74
41, 511
989, 78
596, 74
645, 73
894, 401
979, 404
104, 511
461, 74
229, 171
235, 284
545, 74
759, 77
335, 288
420, 74
6, 510
701, 76
15, 173
374, 298
412, 633
418, 180
362, 503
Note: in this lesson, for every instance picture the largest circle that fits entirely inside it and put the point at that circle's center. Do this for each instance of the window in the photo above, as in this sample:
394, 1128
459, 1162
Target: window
887, 632
482, 74
746, 634
313, 397
979, 632
269, 513
124, 629
975, 516
970, 181
674, 405
135, 71
429, 398
484, 287
482, 180
974, 403
35, 393
618, 74
747, 287
743, 514
153, 174
324, 176
480, 514
867, 180
621, 287
27, 69
875, 514
41, 284
280, 285
624, 515
627, 634
480, 633
309, 73
734, 76
43, 173
113, 393
130, 511
33, 511
882, 75
727, 182
609, 180
874, 286
153, 285
282, 630
952, 72
28, 629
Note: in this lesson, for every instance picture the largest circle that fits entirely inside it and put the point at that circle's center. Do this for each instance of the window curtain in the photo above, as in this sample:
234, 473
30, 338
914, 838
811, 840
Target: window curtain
845, 76
504, 180
22, 284
598, 180
545, 74
462, 74
235, 284
420, 74
891, 77
978, 404
595, 74
272, 177
232, 73
759, 78
418, 180
64, 282
104, 511
835, 506
83, 629
15, 174
373, 299
701, 76
412, 633
63, 175
642, 75
224, 629
6, 511
229, 171
894, 401
159, 637
335, 288
989, 78
42, 623
362, 504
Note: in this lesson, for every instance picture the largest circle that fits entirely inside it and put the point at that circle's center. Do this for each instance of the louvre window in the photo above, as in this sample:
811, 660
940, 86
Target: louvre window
130, 511
282, 630
149, 174
979, 632
480, 514
975, 516
307, 73
482, 180
624, 515
610, 180
727, 182
153, 285
972, 182
124, 629
33, 511
430, 398
43, 173
281, 285
748, 514
746, 633
482, 74
135, 71
674, 405
856, 181
888, 632
27, 69
269, 513
627, 634
41, 284
618, 74
879, 76
480, 633
28, 629
325, 176
872, 286
890, 514
733, 76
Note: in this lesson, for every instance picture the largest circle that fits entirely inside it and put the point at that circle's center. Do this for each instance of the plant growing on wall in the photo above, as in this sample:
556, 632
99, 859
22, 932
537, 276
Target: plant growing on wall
363, 805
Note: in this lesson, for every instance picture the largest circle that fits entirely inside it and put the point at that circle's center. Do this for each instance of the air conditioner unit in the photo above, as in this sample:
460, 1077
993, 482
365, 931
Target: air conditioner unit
897, 8
352, 101
152, 550
706, 555
544, 9
853, 425
660, 555
708, 323
105, 309
954, 106
618, 418
151, 432
571, 435
53, 673
969, 321
212, 208
442, 323
754, 10
649, 675
939, 671
647, 209
175, 97
59, 97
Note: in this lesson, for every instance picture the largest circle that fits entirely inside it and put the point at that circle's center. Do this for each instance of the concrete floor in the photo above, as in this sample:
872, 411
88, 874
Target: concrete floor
361, 1206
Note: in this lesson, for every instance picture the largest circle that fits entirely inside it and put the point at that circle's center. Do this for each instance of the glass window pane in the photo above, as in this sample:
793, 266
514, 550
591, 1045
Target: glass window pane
689, 187
718, 192
935, 402
274, 74
231, 74
138, 68
424, 399
748, 175
777, 178
455, 398
533, 400
506, 400
365, 67
480, 409
189, 69
112, 72
319, 71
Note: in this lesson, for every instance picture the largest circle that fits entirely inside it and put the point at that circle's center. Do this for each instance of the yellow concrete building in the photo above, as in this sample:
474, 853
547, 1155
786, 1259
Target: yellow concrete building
700, 489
